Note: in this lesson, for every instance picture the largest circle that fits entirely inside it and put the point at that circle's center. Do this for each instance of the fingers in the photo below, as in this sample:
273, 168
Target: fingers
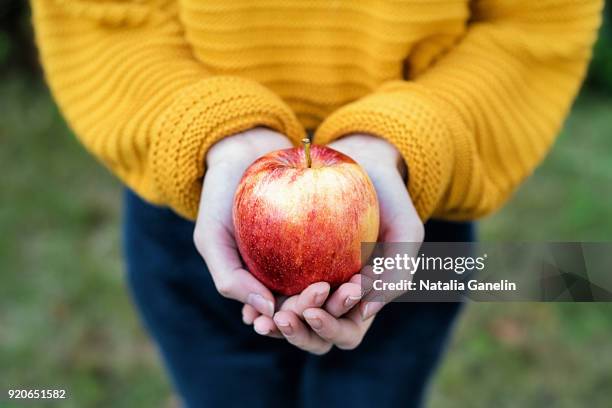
298, 334
371, 302
249, 314
344, 298
242, 286
313, 296
265, 326
370, 308
323, 328
346, 333
398, 230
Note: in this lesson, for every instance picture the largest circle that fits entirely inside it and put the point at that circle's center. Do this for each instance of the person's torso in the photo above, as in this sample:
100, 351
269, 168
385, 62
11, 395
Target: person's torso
321, 54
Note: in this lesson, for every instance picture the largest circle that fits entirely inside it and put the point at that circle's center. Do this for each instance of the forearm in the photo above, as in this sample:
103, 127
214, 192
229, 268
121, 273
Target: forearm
126, 80
474, 125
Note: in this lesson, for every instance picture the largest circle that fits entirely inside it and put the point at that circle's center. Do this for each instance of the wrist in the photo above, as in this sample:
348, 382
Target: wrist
246, 146
372, 152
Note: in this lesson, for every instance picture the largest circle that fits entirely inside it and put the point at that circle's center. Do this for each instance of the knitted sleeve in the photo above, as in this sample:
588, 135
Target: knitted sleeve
477, 122
129, 86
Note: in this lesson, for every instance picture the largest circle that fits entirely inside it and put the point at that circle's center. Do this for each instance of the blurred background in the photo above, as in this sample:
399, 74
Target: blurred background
66, 320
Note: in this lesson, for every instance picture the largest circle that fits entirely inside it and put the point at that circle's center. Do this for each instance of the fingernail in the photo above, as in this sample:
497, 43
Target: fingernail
319, 298
284, 327
260, 303
315, 323
351, 301
263, 332
370, 309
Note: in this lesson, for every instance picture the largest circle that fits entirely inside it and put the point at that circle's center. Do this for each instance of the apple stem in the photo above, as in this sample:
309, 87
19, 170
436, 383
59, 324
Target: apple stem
306, 143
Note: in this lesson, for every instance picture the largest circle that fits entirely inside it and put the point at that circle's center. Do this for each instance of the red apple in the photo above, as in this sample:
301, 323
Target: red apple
300, 216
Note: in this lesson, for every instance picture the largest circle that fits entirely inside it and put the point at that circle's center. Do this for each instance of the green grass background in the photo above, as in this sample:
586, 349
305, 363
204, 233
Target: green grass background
66, 320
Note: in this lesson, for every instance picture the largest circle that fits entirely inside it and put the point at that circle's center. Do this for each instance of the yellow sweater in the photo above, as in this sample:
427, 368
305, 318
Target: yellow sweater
471, 93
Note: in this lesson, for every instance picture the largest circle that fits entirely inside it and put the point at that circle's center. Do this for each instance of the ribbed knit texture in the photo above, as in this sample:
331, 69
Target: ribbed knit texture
472, 94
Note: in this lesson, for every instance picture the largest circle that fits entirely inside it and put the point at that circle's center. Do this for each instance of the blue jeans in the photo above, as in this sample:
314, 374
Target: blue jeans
215, 360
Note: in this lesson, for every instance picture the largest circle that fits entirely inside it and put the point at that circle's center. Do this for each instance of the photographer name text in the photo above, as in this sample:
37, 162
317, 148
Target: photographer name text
453, 285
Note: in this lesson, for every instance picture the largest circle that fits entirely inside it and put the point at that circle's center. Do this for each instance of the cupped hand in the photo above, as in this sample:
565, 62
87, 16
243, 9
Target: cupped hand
288, 320
342, 318
213, 235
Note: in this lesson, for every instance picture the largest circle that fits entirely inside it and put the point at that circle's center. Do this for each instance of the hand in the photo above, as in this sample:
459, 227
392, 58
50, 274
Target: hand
226, 161
291, 311
338, 322
399, 220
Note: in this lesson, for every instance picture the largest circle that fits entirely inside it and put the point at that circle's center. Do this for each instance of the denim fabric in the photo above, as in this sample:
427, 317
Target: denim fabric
215, 360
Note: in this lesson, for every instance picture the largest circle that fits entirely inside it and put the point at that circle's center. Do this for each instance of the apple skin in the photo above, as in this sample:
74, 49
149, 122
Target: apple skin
296, 225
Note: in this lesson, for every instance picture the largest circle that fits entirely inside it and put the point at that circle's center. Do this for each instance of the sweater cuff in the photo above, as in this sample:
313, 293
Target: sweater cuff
201, 115
415, 123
